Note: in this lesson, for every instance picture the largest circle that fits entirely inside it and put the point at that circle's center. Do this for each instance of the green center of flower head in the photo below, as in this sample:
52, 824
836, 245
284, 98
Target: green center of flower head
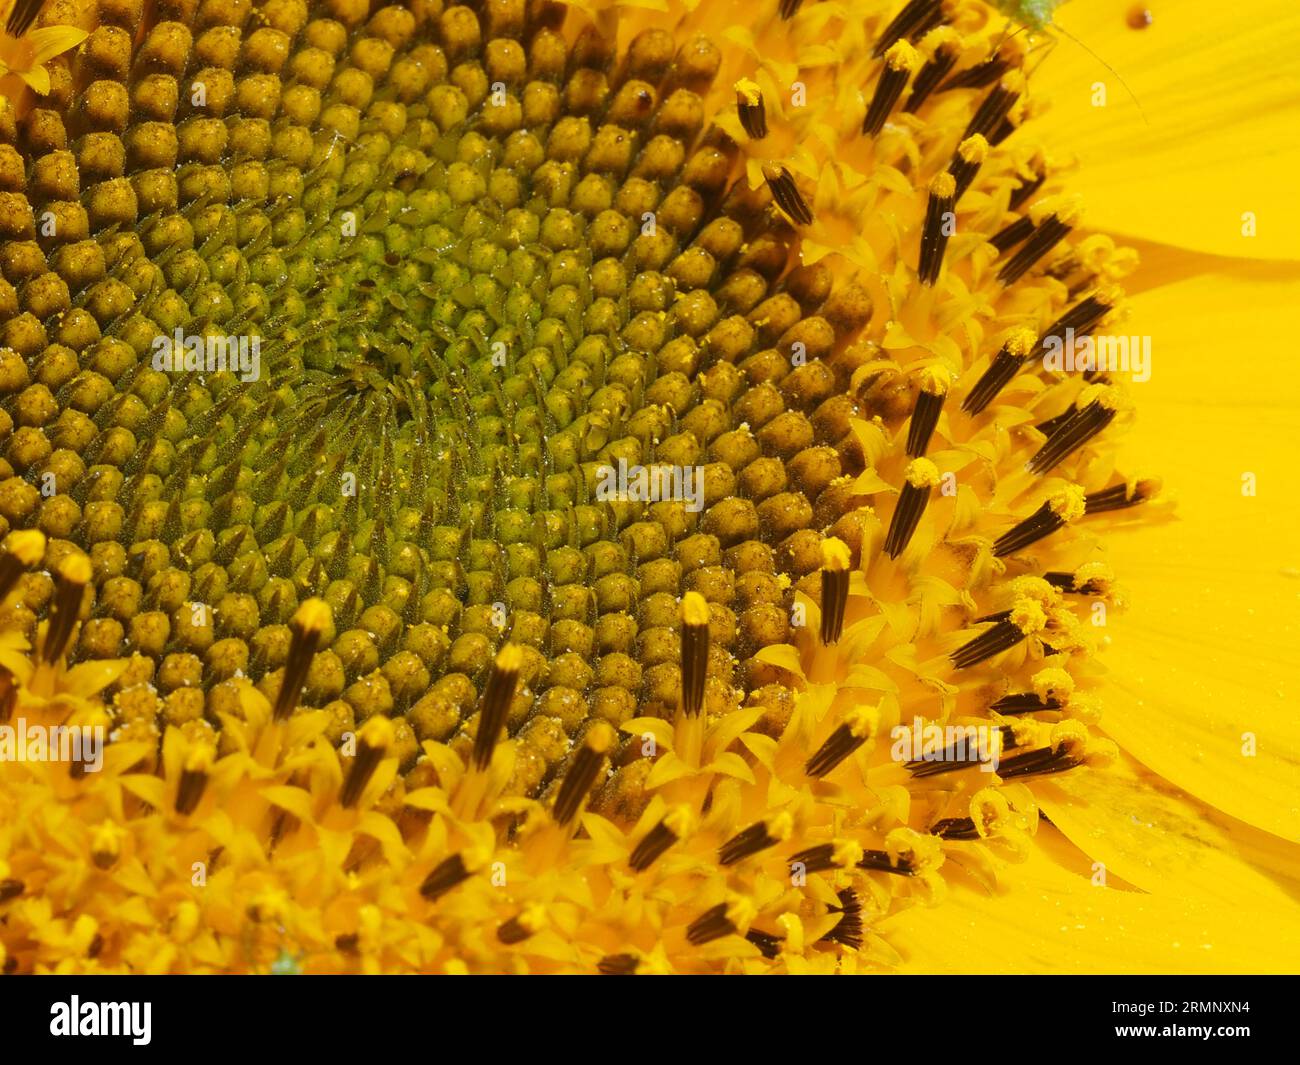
481, 269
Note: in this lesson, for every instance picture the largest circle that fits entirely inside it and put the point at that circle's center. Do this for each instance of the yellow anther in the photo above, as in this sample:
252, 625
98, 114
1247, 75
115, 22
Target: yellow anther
989, 811
936, 379
863, 721
510, 658
1027, 732
1037, 589
749, 92
532, 918
1054, 684
780, 827
902, 56
835, 554
974, 149
1020, 342
1096, 573
313, 615
923, 852
846, 853
922, 473
1071, 738
1068, 504
1109, 396
26, 545
944, 186
1065, 208
601, 737
76, 569
695, 609
377, 733
1028, 616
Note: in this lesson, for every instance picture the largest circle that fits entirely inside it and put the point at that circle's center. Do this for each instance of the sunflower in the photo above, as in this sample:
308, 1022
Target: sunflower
585, 488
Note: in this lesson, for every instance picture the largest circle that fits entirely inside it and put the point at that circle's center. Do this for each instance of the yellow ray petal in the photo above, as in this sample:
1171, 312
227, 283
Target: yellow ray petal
38, 78
1214, 136
50, 41
1046, 921
1165, 842
1203, 667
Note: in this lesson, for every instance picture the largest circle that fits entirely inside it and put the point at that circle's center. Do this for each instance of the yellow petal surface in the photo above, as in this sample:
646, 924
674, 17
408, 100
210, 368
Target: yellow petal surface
1214, 136
38, 78
1163, 841
1204, 665
50, 41
1044, 920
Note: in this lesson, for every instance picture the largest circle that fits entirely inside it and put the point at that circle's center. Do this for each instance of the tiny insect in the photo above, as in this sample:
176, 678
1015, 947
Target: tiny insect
1036, 16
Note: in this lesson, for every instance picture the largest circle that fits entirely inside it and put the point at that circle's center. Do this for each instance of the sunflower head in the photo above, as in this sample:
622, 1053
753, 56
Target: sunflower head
507, 480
